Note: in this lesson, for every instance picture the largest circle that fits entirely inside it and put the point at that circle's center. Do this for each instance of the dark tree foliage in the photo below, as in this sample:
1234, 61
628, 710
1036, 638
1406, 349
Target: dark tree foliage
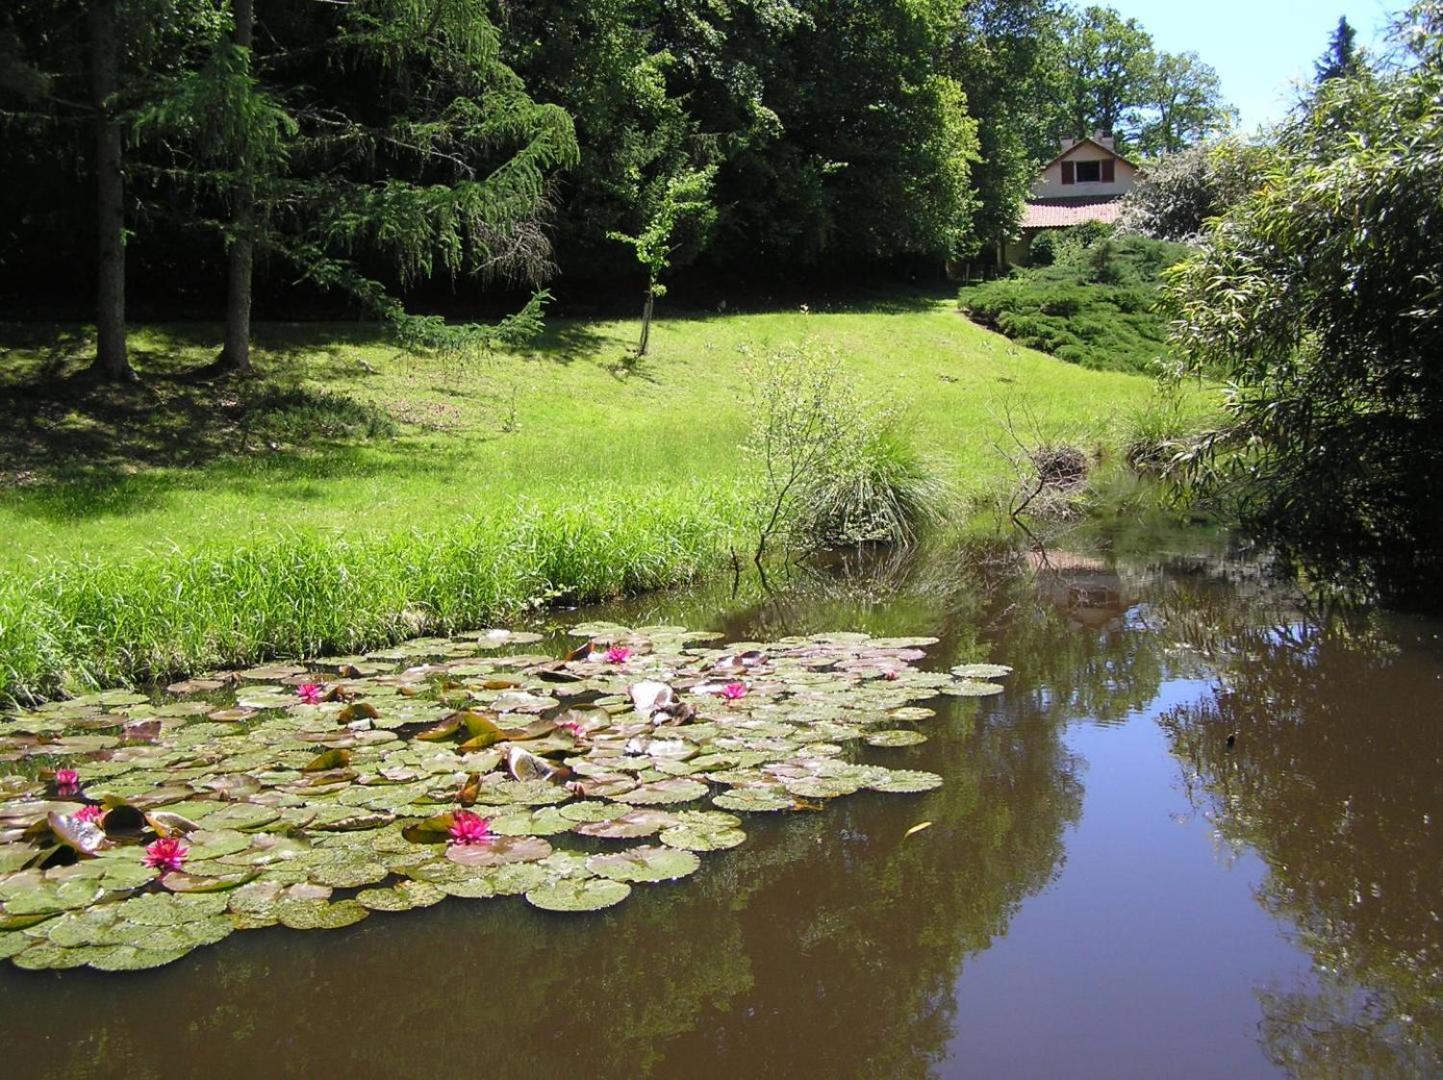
1318, 299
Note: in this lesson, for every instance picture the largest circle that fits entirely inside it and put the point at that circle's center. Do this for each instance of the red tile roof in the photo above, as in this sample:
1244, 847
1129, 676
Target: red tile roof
1036, 215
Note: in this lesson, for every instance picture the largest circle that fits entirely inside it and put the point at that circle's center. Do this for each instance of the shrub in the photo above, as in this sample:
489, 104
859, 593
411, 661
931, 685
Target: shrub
834, 469
880, 490
1096, 306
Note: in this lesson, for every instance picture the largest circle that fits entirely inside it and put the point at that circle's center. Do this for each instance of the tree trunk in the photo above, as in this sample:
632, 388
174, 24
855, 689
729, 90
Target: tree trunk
111, 361
646, 322
236, 353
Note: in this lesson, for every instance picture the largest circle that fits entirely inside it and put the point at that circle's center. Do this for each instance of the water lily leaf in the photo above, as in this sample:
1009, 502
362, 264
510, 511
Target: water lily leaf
589, 894
675, 790
754, 799
821, 787
43, 956
498, 852
434, 830
319, 914
981, 671
629, 825
403, 897
189, 883
904, 781
971, 688
331, 759
523, 765
700, 837
588, 811
85, 837
357, 710
164, 823
546, 821
898, 737
912, 713
644, 864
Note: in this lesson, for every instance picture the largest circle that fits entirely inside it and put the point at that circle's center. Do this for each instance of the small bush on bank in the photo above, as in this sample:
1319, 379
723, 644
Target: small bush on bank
881, 490
1094, 306
834, 469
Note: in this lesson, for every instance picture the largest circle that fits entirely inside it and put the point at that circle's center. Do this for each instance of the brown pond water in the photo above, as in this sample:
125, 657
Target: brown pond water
1108, 888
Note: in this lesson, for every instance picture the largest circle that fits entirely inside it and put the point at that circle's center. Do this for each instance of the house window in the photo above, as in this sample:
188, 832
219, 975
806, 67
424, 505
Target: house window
1089, 172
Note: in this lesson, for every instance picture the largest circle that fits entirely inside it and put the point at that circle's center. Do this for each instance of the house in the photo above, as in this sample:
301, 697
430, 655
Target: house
1085, 182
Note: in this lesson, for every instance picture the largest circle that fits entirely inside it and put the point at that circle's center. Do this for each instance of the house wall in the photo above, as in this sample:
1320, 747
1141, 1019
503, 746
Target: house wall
1049, 183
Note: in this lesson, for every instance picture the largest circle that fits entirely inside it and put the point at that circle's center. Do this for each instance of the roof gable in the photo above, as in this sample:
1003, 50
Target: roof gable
1089, 141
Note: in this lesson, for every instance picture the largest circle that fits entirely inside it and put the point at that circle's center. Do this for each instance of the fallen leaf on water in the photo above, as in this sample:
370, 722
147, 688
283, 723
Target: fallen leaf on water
917, 828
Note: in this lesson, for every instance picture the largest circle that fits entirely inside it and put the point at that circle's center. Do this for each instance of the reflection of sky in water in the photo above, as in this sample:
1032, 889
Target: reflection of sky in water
1142, 957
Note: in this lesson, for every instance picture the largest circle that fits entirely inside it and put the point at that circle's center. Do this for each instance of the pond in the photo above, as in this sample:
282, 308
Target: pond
1196, 836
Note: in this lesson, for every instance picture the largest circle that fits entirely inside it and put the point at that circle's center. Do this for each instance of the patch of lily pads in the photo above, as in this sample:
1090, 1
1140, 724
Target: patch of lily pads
136, 828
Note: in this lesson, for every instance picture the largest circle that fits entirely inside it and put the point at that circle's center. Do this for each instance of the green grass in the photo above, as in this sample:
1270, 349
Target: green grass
1096, 306
354, 494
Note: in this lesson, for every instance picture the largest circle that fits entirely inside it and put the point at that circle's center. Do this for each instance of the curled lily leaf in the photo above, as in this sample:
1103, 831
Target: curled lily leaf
85, 837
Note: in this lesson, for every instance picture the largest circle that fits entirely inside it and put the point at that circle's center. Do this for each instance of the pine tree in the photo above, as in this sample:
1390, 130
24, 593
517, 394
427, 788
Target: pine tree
1341, 59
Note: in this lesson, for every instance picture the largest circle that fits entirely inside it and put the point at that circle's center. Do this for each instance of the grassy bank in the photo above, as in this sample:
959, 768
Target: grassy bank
354, 494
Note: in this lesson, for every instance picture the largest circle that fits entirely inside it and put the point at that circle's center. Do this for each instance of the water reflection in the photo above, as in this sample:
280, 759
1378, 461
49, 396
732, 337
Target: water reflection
832, 944
1320, 748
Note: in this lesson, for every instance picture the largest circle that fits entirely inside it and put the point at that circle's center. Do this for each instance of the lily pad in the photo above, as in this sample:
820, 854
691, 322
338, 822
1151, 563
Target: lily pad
897, 737
644, 864
905, 781
589, 894
981, 671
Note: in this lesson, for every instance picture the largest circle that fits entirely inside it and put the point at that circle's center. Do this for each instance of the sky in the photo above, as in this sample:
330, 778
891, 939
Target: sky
1257, 46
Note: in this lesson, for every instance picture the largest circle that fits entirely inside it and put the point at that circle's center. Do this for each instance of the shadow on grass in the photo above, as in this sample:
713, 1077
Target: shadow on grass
72, 446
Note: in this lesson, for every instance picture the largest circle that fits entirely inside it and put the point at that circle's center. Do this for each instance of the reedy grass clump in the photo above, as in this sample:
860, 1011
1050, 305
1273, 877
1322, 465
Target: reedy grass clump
880, 489
78, 625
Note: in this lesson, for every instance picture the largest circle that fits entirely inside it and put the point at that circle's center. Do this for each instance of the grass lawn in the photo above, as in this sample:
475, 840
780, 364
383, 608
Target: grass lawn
154, 528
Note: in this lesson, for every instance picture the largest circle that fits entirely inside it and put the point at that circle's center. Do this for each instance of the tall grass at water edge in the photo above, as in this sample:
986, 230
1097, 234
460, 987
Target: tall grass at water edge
71, 626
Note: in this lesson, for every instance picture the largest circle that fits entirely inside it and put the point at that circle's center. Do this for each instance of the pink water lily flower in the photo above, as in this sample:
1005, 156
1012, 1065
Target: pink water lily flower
311, 693
573, 727
89, 813
734, 690
618, 654
166, 854
470, 828
67, 778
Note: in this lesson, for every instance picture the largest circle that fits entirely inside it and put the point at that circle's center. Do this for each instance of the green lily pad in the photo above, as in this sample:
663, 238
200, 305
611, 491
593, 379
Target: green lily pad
971, 688
590, 894
754, 799
905, 781
897, 737
676, 790
498, 852
981, 671
319, 914
644, 864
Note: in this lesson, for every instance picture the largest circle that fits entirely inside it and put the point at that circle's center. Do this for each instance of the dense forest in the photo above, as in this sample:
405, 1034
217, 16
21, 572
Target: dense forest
461, 155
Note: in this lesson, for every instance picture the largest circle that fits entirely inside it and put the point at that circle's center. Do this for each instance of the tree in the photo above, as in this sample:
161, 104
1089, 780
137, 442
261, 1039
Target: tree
1107, 62
1182, 190
1341, 58
1182, 104
110, 353
1316, 298
1002, 53
369, 145
682, 201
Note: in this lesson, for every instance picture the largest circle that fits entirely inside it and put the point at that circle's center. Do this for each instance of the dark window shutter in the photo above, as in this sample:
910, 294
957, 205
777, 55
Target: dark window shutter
1069, 173
1109, 171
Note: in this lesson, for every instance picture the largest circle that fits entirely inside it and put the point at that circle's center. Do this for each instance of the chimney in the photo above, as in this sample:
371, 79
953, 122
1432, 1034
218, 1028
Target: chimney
1068, 143
1105, 138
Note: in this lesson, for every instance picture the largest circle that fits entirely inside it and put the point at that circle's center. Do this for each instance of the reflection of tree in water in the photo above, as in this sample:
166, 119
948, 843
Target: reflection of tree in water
1333, 777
